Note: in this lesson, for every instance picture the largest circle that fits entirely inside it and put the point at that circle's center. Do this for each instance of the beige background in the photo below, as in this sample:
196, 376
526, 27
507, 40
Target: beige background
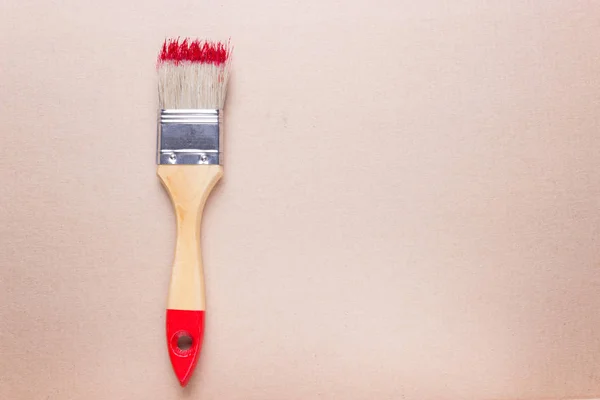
411, 206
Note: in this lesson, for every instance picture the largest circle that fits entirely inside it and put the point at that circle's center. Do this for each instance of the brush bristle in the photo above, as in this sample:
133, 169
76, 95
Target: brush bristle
193, 74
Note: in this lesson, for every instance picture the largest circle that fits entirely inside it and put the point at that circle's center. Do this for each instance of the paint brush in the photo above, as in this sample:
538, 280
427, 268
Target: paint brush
192, 83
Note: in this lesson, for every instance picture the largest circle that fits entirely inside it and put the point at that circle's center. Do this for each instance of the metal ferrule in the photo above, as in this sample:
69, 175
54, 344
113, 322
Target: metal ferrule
190, 137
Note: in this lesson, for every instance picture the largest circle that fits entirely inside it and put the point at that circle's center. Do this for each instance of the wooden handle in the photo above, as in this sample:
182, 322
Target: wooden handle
188, 186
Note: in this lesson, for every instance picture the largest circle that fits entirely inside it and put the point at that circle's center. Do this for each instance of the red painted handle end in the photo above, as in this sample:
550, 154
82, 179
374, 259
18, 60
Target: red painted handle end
185, 331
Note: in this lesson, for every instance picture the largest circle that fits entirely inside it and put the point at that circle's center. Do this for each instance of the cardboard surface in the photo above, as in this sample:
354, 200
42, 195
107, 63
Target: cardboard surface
410, 207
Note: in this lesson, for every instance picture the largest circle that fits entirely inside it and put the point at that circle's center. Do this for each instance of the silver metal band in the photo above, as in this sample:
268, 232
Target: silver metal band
190, 137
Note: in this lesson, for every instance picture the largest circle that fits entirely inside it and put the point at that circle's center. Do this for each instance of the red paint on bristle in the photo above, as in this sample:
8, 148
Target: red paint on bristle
194, 51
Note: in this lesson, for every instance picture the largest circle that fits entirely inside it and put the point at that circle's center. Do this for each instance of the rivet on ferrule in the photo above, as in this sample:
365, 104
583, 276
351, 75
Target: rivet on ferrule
192, 137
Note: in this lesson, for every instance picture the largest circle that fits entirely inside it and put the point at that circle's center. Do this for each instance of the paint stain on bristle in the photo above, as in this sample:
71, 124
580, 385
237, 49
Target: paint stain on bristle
194, 51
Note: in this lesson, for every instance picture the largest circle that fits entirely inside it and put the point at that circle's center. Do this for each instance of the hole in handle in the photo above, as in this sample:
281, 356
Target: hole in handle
184, 342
